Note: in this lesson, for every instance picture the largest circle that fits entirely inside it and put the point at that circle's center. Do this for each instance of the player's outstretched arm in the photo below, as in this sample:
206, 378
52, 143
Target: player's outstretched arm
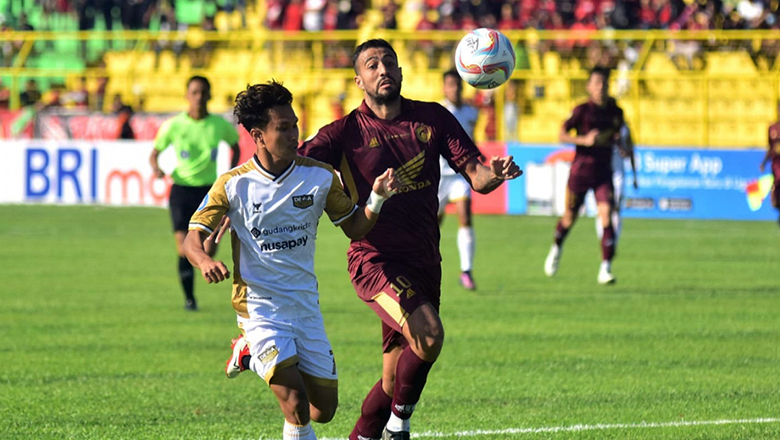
484, 179
767, 158
586, 140
213, 271
358, 225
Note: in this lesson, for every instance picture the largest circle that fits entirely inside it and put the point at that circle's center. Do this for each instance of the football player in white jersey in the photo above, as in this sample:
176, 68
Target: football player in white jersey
274, 203
623, 149
453, 188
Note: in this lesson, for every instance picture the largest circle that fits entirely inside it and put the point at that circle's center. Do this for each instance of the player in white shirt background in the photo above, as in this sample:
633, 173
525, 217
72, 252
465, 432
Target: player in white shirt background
453, 188
274, 203
622, 150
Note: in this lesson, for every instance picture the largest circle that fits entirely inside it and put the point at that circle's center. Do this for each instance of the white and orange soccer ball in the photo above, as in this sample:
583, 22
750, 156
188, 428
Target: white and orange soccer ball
485, 58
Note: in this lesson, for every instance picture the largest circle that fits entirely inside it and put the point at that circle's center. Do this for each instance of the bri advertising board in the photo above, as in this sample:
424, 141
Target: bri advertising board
673, 183
83, 172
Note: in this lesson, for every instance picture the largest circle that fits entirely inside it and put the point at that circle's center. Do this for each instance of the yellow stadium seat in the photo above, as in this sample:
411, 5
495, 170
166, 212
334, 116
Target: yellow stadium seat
166, 63
144, 62
551, 62
732, 62
222, 21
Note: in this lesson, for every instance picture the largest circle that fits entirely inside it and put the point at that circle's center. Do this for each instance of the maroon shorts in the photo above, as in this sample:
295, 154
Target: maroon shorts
394, 290
776, 186
581, 181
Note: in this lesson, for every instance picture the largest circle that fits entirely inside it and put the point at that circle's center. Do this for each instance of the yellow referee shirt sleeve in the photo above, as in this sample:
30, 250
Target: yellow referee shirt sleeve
163, 138
338, 205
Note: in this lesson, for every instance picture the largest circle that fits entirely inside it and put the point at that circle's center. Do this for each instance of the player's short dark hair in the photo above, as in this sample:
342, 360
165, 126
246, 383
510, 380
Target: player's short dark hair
370, 44
598, 70
253, 104
202, 79
453, 73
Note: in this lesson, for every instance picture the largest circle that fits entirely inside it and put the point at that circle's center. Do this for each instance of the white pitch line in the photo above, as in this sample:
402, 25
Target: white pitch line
577, 428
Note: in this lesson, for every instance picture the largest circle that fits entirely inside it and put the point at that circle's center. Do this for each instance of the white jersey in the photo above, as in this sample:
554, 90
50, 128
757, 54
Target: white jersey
467, 116
274, 220
618, 161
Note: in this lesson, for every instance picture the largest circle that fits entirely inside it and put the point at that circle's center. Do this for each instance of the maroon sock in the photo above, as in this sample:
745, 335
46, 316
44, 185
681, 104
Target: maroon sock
608, 244
560, 233
411, 373
373, 414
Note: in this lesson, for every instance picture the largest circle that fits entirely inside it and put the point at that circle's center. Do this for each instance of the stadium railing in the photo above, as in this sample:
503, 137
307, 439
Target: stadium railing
696, 88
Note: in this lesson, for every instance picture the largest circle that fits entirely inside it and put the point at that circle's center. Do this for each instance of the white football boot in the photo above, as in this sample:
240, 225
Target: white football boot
553, 258
605, 273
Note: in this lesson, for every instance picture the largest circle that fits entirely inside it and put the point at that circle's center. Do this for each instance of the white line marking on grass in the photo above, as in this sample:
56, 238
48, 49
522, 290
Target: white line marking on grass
577, 428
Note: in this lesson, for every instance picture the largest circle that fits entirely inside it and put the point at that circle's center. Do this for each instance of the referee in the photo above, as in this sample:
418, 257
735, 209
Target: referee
195, 135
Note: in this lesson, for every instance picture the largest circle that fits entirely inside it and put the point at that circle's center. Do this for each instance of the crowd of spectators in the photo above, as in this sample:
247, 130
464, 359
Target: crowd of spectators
316, 15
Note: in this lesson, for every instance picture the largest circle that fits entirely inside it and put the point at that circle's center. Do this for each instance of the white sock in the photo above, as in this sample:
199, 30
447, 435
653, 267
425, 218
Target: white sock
599, 228
606, 265
466, 247
397, 424
298, 432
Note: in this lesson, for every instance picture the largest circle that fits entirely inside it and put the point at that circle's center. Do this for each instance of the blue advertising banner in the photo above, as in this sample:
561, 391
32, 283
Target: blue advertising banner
673, 183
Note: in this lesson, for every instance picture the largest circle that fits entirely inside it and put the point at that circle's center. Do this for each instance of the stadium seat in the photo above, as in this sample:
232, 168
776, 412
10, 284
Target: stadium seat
732, 62
551, 62
166, 62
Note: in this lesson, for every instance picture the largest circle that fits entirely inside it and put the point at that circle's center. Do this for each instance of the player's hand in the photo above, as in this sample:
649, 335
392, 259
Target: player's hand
504, 168
224, 226
214, 271
158, 173
386, 184
590, 139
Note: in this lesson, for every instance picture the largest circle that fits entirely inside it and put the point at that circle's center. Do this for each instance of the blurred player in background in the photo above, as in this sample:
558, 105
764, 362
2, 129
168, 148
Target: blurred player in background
773, 155
597, 123
274, 203
195, 135
396, 268
453, 188
623, 149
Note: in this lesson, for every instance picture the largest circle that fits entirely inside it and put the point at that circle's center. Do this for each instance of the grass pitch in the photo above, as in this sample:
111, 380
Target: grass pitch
95, 344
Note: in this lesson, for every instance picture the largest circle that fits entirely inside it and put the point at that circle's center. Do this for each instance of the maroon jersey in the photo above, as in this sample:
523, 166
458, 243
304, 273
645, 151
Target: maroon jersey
362, 146
607, 119
774, 147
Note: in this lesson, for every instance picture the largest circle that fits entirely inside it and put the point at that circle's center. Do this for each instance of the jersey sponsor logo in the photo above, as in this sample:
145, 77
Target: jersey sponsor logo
282, 229
423, 133
268, 355
408, 172
203, 203
373, 143
304, 201
255, 232
284, 244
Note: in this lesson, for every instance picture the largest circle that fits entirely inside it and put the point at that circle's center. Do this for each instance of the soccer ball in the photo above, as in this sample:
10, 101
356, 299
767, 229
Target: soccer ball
485, 58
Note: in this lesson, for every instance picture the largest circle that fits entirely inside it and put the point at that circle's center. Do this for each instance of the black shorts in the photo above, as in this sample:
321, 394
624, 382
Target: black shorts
184, 201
